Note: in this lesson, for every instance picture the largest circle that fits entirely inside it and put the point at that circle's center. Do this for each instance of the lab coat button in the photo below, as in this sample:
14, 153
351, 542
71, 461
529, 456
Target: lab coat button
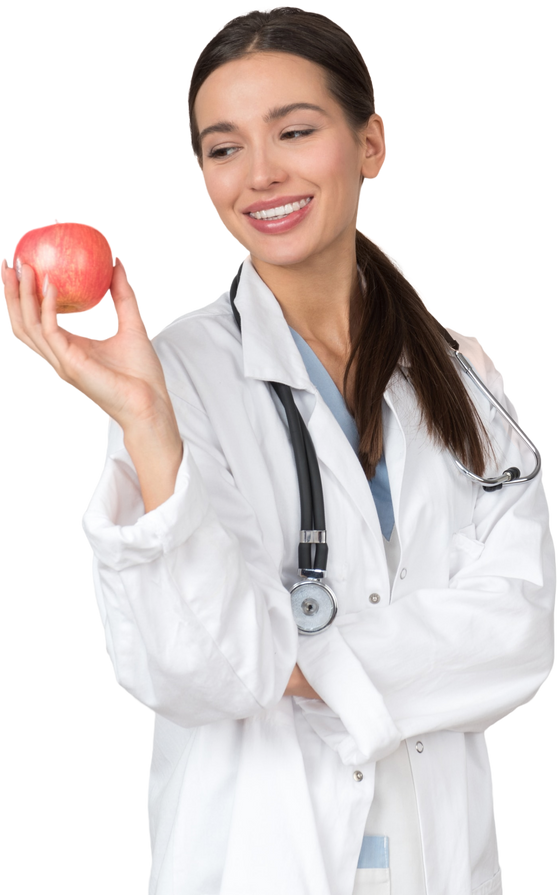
419, 746
358, 776
374, 598
403, 573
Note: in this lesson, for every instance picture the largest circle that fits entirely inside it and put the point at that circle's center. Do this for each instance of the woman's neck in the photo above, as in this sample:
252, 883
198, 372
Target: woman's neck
316, 296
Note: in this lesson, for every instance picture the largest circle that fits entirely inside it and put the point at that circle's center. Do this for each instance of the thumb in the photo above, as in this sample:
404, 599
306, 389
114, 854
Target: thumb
123, 296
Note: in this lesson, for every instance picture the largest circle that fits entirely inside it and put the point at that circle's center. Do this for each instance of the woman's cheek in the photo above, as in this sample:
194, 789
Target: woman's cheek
219, 191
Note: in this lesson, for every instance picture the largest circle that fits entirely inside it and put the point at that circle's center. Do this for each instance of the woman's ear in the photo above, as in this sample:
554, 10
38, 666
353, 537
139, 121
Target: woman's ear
374, 147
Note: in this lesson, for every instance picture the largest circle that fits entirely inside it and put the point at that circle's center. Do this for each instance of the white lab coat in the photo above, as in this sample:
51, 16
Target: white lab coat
253, 793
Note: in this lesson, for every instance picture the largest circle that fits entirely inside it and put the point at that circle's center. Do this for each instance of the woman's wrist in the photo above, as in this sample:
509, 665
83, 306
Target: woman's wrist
156, 450
299, 686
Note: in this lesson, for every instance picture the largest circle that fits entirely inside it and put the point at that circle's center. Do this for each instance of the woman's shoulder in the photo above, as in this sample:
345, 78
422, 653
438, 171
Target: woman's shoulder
198, 346
471, 348
212, 317
200, 334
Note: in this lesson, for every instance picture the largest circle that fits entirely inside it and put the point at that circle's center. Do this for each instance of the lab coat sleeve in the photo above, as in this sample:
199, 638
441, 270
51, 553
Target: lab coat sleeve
458, 657
198, 625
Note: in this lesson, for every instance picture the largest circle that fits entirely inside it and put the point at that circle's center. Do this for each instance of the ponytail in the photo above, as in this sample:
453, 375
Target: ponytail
395, 324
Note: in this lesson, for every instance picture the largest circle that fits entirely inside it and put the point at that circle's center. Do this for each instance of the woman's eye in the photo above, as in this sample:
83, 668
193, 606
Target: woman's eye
220, 152
300, 132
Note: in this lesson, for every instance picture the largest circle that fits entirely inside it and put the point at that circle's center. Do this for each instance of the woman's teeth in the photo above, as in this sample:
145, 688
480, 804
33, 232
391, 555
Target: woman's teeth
274, 214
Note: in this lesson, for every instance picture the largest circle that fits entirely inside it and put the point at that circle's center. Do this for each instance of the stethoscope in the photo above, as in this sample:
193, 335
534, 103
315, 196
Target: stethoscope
313, 603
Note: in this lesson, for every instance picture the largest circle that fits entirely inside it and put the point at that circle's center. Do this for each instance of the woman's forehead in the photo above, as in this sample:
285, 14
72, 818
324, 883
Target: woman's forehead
273, 67
257, 85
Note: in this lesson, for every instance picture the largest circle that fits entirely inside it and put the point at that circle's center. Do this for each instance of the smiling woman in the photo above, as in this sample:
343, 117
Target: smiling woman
302, 128
352, 762
300, 151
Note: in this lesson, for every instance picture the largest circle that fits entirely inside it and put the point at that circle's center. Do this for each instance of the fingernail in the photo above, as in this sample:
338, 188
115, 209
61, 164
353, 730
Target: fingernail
4, 268
45, 286
18, 268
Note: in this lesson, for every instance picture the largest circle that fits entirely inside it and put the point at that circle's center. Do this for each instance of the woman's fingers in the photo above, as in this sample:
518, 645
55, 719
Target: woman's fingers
124, 299
55, 341
121, 374
11, 292
28, 316
31, 313
35, 323
13, 302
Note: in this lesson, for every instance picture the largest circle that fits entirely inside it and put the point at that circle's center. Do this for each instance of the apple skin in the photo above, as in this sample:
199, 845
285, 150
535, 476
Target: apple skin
77, 259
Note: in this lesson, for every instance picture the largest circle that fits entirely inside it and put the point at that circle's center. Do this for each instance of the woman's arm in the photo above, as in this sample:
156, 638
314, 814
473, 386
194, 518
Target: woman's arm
156, 452
458, 657
299, 686
198, 624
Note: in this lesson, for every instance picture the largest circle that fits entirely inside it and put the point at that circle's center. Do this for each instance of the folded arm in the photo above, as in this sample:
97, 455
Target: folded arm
458, 657
197, 628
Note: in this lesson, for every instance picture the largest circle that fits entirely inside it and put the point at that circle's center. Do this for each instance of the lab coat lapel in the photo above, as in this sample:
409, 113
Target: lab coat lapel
269, 350
270, 354
335, 452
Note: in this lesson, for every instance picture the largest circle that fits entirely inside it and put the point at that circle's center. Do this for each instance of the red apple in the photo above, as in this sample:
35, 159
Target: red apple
75, 257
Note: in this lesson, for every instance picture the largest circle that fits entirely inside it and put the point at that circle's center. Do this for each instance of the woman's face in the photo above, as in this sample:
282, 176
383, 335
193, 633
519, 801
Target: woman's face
281, 164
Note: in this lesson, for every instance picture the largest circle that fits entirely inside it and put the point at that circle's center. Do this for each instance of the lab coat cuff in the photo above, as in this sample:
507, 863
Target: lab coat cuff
117, 527
352, 719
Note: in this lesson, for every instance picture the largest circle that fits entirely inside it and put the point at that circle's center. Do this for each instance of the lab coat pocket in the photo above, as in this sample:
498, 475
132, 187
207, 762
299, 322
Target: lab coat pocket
465, 549
372, 881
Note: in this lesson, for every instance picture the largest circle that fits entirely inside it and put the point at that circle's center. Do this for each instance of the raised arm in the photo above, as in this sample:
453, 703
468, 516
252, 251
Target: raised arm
155, 636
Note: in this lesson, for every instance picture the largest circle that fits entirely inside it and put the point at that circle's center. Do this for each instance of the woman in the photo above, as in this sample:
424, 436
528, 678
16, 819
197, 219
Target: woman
353, 760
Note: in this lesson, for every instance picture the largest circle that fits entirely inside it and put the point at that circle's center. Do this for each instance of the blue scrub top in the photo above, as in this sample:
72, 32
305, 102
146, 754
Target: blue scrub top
379, 484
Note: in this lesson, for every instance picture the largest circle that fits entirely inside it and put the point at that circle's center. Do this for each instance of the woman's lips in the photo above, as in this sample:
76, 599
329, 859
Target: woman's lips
283, 224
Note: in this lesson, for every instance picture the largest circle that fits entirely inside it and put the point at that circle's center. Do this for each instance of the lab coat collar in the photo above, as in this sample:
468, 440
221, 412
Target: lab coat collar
270, 352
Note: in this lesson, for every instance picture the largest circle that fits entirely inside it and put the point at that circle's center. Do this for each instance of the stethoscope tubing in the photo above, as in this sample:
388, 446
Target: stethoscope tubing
312, 512
507, 477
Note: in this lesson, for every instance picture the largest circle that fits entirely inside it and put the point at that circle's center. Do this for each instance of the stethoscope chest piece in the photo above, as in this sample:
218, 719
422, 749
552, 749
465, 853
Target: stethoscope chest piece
314, 606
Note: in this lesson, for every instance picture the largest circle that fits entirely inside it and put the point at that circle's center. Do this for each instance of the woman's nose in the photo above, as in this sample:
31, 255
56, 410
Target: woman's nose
265, 169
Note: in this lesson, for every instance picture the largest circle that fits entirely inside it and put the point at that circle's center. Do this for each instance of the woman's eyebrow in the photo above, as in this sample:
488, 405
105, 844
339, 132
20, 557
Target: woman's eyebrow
227, 127
281, 111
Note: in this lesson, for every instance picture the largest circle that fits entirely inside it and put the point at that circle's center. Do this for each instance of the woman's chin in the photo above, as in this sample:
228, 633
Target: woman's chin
284, 252
298, 247
281, 259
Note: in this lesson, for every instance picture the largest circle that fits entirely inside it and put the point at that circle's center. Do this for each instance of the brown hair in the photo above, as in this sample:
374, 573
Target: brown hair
393, 321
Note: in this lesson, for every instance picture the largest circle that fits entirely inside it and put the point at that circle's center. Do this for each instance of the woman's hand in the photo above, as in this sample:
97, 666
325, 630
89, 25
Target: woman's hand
122, 374
299, 686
